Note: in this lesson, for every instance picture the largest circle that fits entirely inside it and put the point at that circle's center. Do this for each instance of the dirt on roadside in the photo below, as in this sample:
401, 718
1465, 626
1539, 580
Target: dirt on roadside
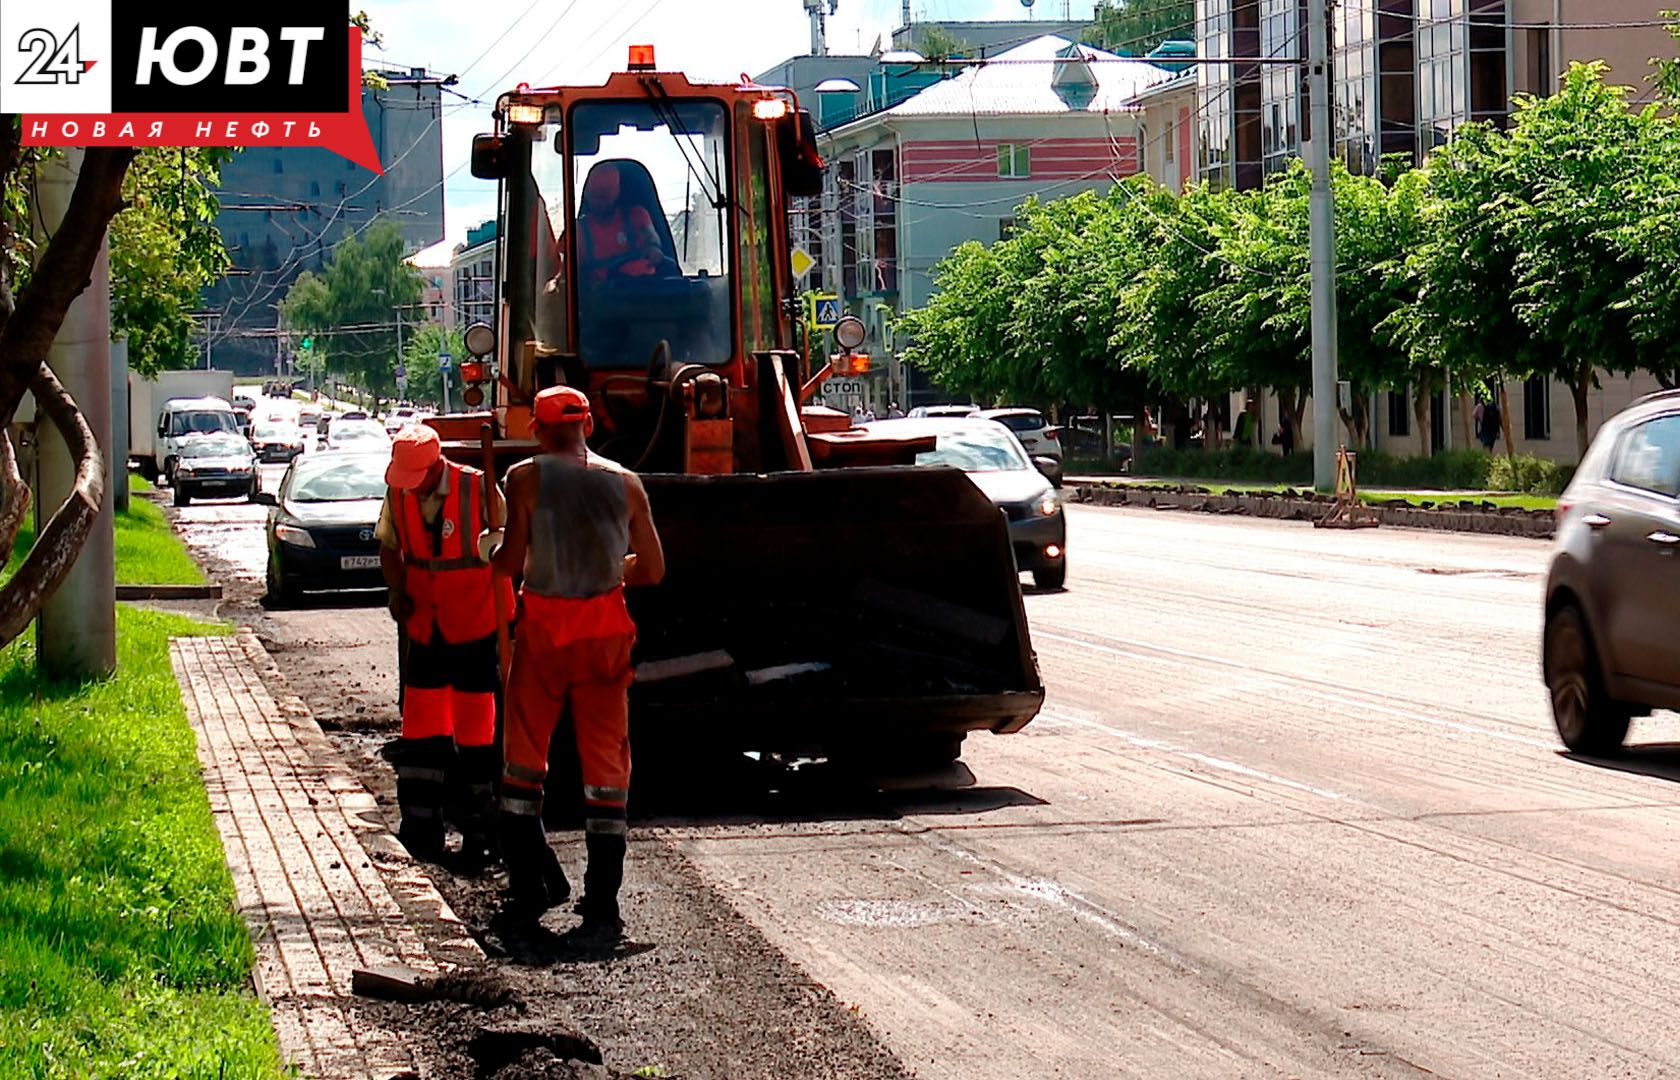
696, 992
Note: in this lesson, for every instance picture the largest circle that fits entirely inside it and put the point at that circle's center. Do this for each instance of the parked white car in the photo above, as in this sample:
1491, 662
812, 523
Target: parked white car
181, 419
399, 418
1036, 435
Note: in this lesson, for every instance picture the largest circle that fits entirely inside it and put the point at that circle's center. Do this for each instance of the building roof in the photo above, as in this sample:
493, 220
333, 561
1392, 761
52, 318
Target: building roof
1184, 81
1046, 76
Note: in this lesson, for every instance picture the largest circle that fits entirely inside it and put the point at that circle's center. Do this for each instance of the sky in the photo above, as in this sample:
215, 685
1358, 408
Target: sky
495, 44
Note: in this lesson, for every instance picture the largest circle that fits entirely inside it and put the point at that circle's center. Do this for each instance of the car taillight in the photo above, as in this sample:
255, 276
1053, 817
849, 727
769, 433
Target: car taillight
1562, 511
1050, 433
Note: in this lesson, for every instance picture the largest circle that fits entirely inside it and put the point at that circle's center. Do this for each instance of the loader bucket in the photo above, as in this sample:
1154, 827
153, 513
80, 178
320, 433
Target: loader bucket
804, 611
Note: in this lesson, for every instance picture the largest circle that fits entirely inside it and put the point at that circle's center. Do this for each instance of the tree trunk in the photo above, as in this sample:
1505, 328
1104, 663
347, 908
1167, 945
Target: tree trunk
1422, 391
60, 541
1505, 419
27, 329
1579, 387
14, 498
64, 270
1298, 405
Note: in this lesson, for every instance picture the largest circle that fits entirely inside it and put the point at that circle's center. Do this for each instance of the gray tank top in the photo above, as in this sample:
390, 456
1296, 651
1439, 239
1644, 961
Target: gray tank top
580, 531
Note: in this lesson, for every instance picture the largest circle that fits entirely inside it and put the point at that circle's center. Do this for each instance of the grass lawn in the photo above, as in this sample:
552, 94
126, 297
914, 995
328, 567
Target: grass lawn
148, 551
121, 953
1450, 499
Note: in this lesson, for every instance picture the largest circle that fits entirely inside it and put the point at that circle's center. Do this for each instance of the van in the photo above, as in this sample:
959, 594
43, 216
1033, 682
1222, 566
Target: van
185, 418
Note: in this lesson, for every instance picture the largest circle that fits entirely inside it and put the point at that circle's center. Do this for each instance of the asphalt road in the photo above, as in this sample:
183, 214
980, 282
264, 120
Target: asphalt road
1294, 808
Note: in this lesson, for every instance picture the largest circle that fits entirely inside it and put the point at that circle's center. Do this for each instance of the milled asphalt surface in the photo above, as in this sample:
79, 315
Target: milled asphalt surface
1294, 808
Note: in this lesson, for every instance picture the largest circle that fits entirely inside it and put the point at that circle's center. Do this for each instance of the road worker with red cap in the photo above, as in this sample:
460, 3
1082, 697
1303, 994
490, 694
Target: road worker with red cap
579, 530
444, 597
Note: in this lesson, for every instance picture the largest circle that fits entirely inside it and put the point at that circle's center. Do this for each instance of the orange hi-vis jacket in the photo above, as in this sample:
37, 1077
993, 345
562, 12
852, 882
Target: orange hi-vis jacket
443, 576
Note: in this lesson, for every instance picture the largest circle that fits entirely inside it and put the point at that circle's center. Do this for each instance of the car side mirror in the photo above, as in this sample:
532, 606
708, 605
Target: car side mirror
265, 498
1051, 468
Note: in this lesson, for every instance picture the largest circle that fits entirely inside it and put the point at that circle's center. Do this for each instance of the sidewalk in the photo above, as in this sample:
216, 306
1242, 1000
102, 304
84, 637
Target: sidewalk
302, 838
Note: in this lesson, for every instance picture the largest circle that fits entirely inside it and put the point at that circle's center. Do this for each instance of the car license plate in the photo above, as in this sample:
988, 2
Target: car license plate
358, 562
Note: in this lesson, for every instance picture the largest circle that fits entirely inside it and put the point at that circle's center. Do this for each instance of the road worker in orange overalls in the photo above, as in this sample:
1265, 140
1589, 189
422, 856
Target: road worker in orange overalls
444, 598
579, 530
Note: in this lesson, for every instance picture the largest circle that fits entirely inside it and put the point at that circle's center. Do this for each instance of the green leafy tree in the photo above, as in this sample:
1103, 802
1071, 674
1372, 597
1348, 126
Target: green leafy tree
1137, 26
421, 348
1528, 270
937, 43
164, 249
351, 307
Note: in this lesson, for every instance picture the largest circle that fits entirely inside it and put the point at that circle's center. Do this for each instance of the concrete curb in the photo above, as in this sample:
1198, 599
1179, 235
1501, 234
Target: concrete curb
1532, 524
169, 592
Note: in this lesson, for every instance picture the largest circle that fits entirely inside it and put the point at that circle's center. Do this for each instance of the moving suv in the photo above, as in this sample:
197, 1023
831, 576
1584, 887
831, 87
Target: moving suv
1612, 642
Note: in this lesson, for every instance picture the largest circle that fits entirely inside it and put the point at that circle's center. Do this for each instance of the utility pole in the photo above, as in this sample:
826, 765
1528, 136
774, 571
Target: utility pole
1322, 240
76, 632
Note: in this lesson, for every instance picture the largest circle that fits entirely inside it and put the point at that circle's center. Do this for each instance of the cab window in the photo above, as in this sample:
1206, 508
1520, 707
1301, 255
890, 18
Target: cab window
1648, 457
649, 230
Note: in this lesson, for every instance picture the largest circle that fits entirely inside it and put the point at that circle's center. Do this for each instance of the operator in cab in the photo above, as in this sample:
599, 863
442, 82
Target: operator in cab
615, 238
444, 597
579, 530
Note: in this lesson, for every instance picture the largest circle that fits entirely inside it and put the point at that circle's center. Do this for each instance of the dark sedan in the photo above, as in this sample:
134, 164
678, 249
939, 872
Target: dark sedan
994, 460
321, 530
1612, 642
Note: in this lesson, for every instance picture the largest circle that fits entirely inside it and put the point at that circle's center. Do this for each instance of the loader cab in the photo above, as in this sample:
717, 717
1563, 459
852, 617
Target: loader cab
644, 211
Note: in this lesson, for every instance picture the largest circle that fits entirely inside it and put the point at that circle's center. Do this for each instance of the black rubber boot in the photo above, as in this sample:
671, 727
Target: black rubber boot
536, 882
477, 768
422, 768
603, 876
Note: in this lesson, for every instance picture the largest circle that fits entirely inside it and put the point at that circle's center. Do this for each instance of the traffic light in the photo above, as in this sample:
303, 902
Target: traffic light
307, 343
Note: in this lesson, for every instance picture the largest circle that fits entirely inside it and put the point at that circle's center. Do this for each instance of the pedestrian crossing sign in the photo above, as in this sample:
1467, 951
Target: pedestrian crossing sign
825, 311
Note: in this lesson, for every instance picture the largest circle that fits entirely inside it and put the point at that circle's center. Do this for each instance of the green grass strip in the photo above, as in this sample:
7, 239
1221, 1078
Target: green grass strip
121, 951
147, 550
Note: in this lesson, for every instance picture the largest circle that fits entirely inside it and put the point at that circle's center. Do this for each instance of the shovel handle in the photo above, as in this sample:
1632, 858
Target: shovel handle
487, 459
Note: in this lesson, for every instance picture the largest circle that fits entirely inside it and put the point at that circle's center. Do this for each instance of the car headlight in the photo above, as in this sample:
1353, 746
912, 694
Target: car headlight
1049, 504
291, 534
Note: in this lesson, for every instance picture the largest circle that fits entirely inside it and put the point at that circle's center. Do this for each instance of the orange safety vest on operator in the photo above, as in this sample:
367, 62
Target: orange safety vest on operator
444, 579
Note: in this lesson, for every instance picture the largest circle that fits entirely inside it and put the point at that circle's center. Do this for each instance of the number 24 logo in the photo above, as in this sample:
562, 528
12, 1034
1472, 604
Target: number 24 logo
50, 61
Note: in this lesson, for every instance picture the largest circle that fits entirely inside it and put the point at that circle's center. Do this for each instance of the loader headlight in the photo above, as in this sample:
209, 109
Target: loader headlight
849, 332
1049, 504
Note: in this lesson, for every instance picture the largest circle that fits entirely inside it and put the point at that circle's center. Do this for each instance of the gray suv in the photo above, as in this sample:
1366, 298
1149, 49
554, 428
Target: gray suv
1612, 643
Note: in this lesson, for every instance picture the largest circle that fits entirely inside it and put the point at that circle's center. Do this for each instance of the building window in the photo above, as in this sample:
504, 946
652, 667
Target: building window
1169, 144
1399, 415
1537, 409
1540, 60
1014, 160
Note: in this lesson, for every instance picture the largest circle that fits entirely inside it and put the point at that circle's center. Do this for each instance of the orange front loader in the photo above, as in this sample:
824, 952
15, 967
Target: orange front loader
823, 596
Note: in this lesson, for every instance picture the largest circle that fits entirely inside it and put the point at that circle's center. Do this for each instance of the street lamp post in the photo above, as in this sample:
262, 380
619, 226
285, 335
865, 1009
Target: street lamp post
1322, 246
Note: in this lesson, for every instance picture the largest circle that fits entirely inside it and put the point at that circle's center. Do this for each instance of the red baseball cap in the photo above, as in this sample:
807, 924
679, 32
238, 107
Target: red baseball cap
414, 451
561, 405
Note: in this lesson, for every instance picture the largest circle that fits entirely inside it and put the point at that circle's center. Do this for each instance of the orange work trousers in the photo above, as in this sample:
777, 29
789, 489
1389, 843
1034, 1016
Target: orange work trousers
593, 676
